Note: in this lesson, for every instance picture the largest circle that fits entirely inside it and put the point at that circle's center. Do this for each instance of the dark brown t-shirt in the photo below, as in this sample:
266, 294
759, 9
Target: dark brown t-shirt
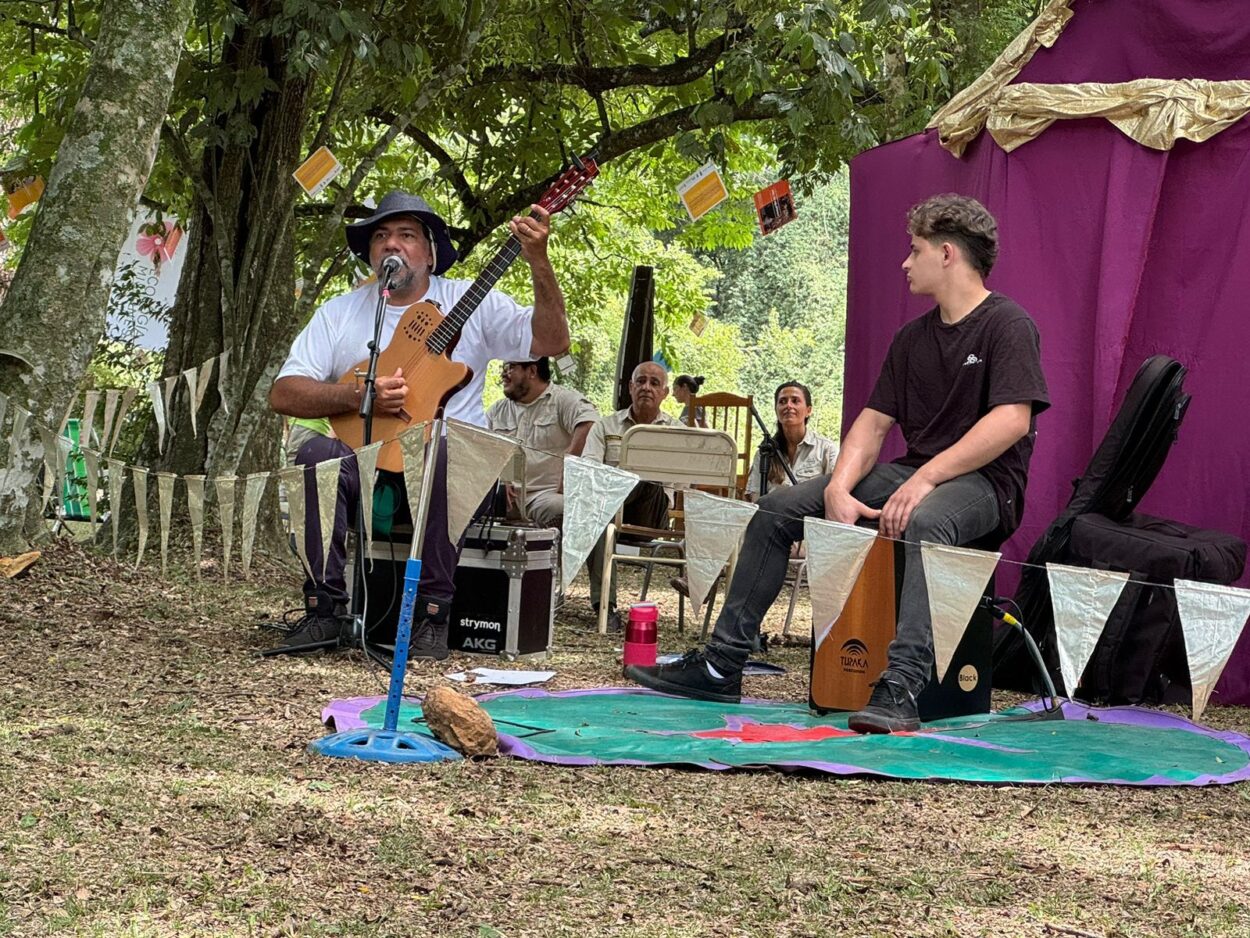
939, 379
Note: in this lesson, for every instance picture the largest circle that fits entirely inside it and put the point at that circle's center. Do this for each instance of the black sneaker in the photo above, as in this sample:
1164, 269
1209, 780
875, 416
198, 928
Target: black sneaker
313, 633
688, 676
891, 709
614, 618
429, 641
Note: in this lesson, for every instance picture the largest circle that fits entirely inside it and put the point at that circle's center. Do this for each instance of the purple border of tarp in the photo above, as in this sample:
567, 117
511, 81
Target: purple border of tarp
348, 714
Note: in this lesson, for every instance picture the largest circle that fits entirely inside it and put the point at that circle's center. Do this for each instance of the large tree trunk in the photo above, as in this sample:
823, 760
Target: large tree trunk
54, 314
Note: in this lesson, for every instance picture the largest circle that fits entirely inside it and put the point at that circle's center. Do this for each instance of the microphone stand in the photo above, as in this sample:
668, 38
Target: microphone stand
768, 450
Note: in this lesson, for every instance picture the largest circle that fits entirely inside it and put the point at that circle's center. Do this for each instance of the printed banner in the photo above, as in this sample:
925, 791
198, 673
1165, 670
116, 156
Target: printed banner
1082, 600
1212, 618
165, 497
117, 481
225, 510
475, 457
327, 475
593, 494
714, 526
195, 508
253, 491
835, 556
367, 470
141, 509
956, 578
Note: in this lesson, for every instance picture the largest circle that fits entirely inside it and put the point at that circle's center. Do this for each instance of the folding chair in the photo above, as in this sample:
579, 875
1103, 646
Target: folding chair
678, 456
731, 414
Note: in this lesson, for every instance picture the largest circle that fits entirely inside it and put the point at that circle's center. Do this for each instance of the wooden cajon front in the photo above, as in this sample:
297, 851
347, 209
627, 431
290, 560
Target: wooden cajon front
854, 653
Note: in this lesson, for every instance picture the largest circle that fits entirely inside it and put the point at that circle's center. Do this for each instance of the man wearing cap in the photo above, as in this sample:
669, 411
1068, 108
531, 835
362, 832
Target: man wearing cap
336, 340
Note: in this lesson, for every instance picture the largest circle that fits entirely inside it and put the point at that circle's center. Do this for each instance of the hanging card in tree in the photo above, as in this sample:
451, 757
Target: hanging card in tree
316, 172
702, 191
23, 193
698, 324
4, 242
774, 206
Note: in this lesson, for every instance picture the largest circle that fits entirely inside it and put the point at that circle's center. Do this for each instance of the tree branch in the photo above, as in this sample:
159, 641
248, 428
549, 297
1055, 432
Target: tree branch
448, 168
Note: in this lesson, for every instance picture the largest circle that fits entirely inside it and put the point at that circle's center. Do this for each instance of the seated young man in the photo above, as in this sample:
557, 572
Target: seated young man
964, 382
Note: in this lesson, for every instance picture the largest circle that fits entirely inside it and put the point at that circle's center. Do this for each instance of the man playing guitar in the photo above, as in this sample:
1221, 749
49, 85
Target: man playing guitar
336, 339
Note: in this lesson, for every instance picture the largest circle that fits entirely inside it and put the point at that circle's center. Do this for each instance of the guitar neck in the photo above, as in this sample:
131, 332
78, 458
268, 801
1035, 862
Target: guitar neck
450, 327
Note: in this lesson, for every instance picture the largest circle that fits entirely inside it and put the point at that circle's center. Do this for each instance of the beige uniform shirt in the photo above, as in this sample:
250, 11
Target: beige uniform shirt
615, 425
547, 425
815, 457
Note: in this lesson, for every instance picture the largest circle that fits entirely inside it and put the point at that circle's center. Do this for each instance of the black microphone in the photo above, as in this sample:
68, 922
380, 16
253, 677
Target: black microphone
390, 266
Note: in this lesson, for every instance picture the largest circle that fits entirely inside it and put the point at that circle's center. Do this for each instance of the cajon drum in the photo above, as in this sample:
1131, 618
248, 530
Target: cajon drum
854, 654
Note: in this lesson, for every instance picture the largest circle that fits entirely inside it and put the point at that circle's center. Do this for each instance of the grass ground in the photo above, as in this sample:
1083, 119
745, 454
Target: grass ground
156, 782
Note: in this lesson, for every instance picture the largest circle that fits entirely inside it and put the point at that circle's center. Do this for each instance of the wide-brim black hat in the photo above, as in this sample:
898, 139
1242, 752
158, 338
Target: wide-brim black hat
401, 203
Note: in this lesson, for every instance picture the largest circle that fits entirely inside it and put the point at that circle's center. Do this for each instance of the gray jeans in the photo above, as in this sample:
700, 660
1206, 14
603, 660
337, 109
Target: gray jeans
956, 512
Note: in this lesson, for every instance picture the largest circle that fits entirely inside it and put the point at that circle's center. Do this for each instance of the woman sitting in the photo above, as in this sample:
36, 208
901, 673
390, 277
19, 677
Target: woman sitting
804, 451
684, 388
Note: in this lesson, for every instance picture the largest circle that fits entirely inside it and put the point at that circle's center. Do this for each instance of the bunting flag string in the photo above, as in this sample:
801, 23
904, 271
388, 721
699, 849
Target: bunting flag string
1082, 599
141, 508
1212, 619
165, 497
195, 508
158, 412
412, 445
53, 465
225, 510
475, 457
91, 402
128, 398
91, 459
170, 384
191, 376
223, 388
117, 480
327, 478
593, 493
956, 578
367, 471
201, 384
835, 556
292, 480
253, 491
69, 412
111, 398
714, 526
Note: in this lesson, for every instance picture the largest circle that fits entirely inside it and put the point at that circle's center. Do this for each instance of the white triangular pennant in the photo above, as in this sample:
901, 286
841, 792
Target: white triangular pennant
1212, 618
90, 404
191, 375
412, 445
201, 383
69, 412
4, 408
21, 419
165, 497
171, 384
53, 464
292, 480
141, 509
110, 412
714, 526
367, 470
327, 475
128, 398
158, 411
252, 493
223, 362
117, 482
593, 493
835, 556
956, 578
195, 509
475, 457
91, 459
1082, 599
225, 510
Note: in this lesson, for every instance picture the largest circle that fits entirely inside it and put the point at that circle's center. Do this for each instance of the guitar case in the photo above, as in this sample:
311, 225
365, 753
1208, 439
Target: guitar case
1122, 469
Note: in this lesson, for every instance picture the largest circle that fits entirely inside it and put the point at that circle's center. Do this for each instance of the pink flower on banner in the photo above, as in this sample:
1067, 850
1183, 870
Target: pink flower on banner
160, 244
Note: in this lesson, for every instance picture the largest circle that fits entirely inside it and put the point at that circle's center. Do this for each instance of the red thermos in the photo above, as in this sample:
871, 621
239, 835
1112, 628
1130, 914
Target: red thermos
640, 634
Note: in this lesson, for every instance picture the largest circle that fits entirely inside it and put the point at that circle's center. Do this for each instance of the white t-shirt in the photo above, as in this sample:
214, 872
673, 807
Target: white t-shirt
337, 338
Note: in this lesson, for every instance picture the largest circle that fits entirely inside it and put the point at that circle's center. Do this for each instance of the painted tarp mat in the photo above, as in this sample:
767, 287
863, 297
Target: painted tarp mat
1024, 745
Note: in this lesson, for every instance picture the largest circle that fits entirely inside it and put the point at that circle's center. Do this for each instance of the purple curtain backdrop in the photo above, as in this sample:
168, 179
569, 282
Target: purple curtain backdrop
1119, 252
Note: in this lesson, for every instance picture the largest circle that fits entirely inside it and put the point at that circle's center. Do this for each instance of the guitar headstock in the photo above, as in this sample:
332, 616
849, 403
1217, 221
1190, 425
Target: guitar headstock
569, 185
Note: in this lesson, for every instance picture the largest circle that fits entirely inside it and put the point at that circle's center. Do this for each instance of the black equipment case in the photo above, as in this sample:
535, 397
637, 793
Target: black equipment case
1142, 650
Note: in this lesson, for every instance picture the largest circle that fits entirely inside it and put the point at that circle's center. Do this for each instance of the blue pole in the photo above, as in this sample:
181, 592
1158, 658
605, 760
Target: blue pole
403, 635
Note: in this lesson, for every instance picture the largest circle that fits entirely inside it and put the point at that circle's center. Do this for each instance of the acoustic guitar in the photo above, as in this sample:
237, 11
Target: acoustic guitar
425, 337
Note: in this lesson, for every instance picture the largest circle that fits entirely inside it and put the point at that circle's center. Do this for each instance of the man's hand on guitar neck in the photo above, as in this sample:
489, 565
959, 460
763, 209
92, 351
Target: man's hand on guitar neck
391, 393
532, 232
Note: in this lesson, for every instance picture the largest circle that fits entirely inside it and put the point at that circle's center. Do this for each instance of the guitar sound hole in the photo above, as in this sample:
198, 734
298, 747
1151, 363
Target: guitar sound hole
418, 326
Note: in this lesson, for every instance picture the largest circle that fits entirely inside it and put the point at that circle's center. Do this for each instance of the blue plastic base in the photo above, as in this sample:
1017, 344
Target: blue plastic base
370, 745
